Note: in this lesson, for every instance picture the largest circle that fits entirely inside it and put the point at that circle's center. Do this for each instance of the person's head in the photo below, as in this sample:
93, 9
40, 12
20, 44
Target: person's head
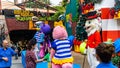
5, 43
41, 43
31, 44
104, 52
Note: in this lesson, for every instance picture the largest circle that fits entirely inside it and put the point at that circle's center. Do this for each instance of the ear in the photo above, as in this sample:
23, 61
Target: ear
98, 58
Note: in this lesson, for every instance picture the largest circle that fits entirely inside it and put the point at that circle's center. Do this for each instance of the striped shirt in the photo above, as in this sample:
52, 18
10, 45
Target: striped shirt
63, 49
39, 36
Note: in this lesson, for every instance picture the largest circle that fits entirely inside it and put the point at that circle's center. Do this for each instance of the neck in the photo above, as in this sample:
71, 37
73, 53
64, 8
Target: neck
4, 48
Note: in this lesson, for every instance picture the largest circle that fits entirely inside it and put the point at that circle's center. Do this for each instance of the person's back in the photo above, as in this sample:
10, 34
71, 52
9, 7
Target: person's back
104, 54
106, 65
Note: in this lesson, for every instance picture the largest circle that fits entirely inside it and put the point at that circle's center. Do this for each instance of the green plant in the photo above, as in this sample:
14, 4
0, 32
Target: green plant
116, 59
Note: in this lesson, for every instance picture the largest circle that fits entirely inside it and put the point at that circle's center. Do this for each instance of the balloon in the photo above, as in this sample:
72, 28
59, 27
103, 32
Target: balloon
83, 47
45, 29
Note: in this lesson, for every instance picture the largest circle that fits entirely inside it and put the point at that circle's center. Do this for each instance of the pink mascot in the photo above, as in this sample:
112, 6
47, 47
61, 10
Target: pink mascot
61, 49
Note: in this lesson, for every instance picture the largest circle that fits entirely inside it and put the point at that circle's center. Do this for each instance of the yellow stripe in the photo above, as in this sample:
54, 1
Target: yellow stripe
62, 61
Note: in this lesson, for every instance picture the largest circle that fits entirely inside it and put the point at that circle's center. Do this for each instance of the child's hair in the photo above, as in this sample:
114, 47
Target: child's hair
41, 43
105, 52
31, 43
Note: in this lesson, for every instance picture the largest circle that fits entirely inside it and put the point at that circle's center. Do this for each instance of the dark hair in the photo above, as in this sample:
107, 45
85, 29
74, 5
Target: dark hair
105, 51
31, 43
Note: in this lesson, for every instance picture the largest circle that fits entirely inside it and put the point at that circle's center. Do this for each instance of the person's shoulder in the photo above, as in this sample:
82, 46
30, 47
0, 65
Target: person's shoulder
104, 65
1, 48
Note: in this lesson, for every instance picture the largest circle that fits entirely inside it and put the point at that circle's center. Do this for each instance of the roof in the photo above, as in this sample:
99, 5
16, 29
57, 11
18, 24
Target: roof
41, 10
8, 5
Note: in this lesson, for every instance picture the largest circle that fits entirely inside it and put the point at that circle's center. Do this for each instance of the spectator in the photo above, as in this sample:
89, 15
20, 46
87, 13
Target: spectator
104, 54
31, 59
14, 47
6, 55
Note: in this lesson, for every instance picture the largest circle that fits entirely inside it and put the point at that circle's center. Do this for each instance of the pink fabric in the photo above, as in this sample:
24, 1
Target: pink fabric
42, 52
52, 52
67, 65
59, 33
56, 66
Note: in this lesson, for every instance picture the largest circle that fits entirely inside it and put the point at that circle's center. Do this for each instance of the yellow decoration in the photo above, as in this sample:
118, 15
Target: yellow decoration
31, 26
23, 13
46, 22
83, 47
117, 16
60, 23
62, 61
49, 65
77, 48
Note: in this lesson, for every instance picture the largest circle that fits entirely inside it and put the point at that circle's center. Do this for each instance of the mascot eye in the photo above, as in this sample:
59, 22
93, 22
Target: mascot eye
89, 22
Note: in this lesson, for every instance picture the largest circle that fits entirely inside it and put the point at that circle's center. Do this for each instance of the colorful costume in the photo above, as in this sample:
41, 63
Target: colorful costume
42, 51
62, 47
93, 40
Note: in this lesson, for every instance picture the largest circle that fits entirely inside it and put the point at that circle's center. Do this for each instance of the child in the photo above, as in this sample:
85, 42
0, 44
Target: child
104, 54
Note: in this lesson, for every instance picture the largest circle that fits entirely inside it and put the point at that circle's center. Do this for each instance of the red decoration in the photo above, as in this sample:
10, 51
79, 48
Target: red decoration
119, 54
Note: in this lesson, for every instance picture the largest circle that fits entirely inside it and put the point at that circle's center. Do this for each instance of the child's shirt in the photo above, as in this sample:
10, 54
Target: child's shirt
106, 65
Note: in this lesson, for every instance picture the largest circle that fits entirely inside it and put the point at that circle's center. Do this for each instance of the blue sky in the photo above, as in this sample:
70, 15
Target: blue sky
54, 2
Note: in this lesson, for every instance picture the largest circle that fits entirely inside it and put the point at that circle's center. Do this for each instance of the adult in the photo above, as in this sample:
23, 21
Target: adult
6, 54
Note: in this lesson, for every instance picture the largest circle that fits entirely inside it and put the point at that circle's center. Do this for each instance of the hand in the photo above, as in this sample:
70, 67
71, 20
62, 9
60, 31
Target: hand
5, 58
16, 50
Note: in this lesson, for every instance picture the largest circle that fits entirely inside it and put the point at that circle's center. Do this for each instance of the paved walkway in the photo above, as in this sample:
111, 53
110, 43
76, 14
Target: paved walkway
16, 63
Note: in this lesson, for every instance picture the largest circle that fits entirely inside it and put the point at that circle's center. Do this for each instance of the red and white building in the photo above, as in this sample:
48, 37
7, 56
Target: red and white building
110, 26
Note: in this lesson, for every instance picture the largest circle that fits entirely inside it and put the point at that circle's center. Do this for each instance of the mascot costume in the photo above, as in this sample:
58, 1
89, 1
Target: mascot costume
61, 49
93, 37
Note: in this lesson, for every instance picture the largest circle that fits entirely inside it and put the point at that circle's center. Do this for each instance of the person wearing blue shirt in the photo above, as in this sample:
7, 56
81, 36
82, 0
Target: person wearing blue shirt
104, 54
6, 54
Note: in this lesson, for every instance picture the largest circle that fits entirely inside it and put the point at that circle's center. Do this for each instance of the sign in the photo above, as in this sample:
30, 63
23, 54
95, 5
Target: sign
23, 15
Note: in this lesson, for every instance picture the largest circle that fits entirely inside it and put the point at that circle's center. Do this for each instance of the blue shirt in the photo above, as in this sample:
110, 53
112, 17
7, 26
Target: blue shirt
106, 65
39, 36
63, 49
6, 53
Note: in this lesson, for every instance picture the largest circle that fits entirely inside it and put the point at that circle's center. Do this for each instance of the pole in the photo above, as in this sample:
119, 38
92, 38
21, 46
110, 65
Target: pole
47, 4
0, 8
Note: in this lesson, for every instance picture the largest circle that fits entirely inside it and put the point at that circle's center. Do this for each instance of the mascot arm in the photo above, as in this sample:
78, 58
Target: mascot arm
53, 48
53, 45
52, 53
97, 38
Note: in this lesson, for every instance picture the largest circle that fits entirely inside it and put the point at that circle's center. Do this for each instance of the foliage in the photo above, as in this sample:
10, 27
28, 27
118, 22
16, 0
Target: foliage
116, 59
60, 10
81, 33
93, 1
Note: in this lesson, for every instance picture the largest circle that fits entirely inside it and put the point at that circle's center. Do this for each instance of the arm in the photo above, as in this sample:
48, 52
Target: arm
33, 57
97, 38
12, 51
2, 57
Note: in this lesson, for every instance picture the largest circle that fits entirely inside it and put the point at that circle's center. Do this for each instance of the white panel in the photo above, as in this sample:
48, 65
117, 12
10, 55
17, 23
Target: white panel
105, 4
110, 24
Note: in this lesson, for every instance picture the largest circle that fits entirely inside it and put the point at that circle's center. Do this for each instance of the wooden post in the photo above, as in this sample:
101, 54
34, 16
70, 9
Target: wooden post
0, 8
